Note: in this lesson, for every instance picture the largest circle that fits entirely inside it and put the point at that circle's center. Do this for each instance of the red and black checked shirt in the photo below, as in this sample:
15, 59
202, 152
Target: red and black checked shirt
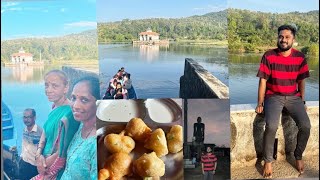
283, 73
208, 161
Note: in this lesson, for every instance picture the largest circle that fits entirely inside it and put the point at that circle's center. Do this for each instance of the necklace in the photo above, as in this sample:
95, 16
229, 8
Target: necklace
79, 145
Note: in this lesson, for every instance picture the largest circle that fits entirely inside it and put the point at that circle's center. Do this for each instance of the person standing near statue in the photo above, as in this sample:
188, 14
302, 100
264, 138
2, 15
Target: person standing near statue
198, 133
208, 164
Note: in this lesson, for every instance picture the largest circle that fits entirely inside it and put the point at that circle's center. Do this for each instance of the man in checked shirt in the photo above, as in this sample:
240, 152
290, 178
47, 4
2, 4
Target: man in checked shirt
209, 164
30, 141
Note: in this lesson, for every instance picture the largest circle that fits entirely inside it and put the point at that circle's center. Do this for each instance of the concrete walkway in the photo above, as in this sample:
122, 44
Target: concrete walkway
281, 169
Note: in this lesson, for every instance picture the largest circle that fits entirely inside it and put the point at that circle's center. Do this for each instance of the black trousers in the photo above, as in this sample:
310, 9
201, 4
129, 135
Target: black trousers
27, 170
273, 107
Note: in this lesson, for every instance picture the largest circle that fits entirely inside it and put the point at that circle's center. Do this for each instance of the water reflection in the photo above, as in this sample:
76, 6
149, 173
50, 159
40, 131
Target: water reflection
25, 74
149, 52
160, 77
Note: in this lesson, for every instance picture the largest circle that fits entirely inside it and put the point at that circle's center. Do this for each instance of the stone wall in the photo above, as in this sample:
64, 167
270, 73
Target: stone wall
197, 82
247, 130
76, 73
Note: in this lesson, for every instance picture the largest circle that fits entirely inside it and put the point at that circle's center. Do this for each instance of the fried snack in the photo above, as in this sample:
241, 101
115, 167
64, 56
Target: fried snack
157, 142
116, 166
175, 139
119, 143
149, 165
137, 129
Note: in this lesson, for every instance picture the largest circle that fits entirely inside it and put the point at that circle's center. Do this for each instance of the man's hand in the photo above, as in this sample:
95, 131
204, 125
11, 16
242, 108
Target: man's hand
41, 164
203, 172
261, 93
214, 171
259, 108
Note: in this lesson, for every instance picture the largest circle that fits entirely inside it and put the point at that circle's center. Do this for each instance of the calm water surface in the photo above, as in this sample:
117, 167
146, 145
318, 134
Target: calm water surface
156, 70
243, 83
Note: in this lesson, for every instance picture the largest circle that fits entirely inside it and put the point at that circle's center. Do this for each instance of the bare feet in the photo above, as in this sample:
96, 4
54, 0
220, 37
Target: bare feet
300, 166
267, 170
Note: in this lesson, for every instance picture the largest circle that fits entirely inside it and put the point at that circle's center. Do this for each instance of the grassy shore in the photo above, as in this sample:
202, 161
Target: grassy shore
204, 42
184, 41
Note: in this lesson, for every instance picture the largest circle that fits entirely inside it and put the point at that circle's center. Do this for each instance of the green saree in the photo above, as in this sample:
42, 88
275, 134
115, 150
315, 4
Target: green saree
60, 127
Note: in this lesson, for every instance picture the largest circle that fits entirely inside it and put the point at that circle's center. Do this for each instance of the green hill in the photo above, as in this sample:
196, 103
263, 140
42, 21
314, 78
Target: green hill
211, 26
254, 31
81, 46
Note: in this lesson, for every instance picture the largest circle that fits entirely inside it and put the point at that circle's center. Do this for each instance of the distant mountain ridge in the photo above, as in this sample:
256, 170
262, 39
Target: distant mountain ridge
202, 27
77, 46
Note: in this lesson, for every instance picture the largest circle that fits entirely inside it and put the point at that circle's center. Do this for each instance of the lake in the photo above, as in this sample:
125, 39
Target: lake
156, 70
243, 83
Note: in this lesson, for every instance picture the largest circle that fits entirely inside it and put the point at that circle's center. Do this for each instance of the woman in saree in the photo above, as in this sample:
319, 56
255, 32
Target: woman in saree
82, 152
58, 130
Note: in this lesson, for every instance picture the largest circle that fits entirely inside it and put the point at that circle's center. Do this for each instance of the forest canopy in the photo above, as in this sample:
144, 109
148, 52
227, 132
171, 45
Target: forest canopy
81, 46
255, 31
211, 26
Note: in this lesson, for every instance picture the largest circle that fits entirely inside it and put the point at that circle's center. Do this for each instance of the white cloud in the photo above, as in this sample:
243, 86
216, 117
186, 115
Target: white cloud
15, 9
8, 4
62, 9
81, 24
27, 36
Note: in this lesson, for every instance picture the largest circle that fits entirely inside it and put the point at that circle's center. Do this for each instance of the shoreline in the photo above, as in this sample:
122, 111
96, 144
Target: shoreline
192, 42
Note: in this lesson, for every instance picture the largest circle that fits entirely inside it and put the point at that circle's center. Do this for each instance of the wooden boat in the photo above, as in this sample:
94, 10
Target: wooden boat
9, 146
7, 122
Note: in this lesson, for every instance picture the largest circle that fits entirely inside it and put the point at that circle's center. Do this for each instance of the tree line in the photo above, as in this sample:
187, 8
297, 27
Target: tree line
211, 26
81, 46
250, 31
246, 31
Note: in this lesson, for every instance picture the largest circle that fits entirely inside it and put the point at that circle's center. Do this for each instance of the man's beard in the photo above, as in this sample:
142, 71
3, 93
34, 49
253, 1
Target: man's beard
283, 49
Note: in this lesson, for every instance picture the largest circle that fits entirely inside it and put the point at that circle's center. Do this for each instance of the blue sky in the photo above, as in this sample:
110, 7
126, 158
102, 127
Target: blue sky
115, 10
46, 18
20, 19
275, 6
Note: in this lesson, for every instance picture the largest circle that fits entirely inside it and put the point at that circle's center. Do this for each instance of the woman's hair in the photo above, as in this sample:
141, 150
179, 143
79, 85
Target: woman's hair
93, 83
119, 83
119, 90
63, 76
128, 75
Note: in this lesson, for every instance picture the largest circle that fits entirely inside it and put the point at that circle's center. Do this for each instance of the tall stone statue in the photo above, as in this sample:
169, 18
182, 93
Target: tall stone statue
198, 130
198, 136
